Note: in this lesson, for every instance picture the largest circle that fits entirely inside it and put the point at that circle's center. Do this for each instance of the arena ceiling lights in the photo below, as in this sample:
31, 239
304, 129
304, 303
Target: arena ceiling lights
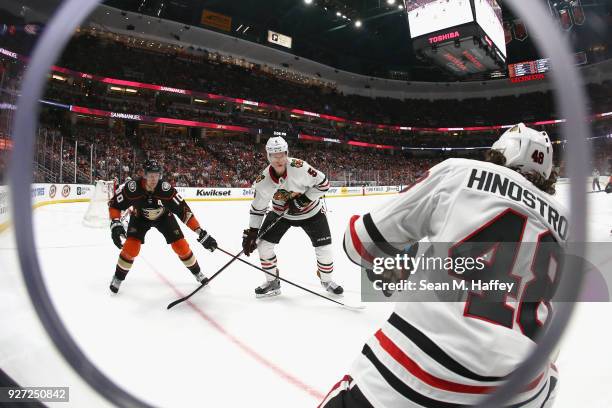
338, 10
358, 12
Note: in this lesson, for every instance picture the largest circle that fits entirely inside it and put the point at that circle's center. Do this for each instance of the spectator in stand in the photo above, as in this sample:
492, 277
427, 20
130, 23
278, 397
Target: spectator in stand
231, 160
87, 53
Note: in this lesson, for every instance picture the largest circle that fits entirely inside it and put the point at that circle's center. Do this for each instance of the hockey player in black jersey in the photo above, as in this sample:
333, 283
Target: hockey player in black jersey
155, 203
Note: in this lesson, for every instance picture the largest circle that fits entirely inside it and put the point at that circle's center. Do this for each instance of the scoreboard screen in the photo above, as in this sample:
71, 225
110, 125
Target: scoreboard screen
465, 37
540, 66
428, 16
489, 18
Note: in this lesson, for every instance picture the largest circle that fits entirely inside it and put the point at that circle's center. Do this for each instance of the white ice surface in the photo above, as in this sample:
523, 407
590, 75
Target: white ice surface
225, 348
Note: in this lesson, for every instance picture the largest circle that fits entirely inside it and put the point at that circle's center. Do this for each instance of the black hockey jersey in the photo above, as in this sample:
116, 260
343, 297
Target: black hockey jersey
149, 205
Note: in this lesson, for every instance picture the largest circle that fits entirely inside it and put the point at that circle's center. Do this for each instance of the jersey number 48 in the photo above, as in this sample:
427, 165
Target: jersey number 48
500, 239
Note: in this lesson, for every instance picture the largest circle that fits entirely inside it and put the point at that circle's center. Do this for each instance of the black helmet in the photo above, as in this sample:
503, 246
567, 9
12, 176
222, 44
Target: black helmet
152, 166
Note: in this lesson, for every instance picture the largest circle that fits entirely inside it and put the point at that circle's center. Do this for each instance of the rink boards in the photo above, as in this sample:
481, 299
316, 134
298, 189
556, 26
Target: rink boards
46, 194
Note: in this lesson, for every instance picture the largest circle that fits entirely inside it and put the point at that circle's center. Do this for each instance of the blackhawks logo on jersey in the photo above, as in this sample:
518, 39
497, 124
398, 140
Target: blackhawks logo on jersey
282, 195
297, 163
260, 178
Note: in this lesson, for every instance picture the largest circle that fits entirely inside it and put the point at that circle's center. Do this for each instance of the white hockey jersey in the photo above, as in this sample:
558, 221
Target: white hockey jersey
299, 177
439, 354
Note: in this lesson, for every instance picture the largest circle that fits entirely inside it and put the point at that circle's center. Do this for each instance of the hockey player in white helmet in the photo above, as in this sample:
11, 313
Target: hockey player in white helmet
454, 351
295, 189
527, 151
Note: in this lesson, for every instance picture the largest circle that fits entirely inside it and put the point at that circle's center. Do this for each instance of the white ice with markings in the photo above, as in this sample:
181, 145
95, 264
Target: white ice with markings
226, 348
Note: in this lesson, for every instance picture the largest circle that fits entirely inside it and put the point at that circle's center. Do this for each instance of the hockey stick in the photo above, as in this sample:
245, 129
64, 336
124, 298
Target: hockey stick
350, 307
234, 257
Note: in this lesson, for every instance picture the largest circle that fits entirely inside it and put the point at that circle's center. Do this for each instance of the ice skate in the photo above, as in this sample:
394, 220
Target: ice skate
115, 284
268, 289
332, 287
201, 278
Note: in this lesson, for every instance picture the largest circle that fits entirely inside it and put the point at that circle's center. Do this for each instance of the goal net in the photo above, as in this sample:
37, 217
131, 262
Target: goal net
97, 212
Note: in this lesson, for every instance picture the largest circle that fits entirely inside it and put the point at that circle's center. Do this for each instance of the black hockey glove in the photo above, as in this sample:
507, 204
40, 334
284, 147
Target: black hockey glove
300, 202
117, 231
207, 241
249, 240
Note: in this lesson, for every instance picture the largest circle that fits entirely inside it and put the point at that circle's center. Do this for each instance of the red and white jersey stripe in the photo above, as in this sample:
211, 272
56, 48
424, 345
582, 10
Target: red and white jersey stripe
450, 354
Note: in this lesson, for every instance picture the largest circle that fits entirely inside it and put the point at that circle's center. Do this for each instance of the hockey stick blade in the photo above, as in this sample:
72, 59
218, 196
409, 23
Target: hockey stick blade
234, 257
181, 300
354, 308
343, 304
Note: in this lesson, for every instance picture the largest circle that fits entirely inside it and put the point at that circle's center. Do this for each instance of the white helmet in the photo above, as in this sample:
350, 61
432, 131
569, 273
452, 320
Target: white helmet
276, 145
526, 149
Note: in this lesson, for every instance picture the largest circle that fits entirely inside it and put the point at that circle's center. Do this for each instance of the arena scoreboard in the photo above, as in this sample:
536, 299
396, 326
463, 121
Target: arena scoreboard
540, 66
465, 37
531, 70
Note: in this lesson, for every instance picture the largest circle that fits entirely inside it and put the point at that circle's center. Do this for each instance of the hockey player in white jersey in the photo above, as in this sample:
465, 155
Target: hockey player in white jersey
295, 189
451, 354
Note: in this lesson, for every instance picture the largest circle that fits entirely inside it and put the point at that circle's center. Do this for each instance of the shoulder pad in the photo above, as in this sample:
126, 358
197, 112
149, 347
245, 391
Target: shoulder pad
296, 163
260, 178
164, 189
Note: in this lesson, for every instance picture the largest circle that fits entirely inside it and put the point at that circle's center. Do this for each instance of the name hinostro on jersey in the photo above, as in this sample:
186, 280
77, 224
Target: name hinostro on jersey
494, 183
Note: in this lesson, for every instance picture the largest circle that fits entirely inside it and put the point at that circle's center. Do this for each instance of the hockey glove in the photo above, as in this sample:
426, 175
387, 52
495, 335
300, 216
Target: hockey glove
117, 231
300, 202
394, 275
207, 240
249, 240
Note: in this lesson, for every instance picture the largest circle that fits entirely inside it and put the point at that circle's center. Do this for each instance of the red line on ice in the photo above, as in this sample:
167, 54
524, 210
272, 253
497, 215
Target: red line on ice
244, 347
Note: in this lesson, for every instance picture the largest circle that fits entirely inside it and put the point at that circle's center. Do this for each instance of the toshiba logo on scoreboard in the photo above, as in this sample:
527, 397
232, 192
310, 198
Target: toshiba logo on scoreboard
443, 37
